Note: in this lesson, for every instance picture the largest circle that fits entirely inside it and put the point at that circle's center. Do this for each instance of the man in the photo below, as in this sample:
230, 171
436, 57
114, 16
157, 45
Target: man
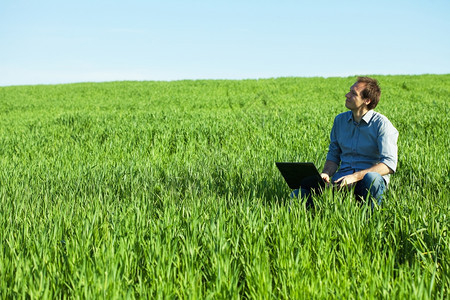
363, 146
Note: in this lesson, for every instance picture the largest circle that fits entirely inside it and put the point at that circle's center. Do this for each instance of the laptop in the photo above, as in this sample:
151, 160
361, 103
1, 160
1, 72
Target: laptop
296, 173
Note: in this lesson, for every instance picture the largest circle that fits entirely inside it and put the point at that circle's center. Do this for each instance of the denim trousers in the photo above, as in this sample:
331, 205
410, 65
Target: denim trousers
372, 185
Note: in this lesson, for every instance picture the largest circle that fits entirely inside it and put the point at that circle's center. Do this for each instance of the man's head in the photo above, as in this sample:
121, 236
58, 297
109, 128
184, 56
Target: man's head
369, 90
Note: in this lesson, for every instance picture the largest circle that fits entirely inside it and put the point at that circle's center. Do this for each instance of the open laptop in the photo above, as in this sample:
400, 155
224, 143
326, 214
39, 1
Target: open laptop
296, 173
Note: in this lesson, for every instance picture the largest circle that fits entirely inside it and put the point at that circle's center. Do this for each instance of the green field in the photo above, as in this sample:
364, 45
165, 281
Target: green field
169, 190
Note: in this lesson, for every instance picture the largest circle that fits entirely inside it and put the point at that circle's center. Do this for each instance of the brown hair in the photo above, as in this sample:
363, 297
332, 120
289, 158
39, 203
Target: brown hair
370, 91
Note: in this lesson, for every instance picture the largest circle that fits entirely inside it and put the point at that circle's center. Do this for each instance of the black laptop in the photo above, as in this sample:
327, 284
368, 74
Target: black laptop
295, 173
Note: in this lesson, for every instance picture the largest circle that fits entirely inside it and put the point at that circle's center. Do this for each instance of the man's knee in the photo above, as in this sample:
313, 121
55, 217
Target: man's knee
372, 178
300, 193
303, 195
373, 184
294, 193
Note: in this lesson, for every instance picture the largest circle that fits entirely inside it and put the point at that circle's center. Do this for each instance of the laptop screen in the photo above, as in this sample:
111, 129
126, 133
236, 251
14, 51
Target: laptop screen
298, 174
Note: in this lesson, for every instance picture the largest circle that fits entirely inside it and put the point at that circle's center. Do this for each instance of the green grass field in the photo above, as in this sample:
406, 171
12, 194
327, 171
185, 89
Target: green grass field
169, 190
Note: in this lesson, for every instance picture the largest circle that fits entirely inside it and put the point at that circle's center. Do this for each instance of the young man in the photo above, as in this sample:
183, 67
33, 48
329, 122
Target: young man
363, 146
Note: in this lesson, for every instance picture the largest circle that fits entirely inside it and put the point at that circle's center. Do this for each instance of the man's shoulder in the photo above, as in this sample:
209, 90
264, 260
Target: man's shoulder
382, 122
380, 118
376, 116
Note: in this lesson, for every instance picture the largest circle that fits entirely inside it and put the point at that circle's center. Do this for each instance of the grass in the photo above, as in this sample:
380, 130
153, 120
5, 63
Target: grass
169, 190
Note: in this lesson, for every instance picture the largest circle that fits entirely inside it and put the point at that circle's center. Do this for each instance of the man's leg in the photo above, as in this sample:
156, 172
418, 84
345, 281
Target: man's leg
372, 184
308, 187
304, 194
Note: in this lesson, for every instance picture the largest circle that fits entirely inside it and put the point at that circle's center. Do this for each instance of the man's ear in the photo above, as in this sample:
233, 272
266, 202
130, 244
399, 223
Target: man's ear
367, 101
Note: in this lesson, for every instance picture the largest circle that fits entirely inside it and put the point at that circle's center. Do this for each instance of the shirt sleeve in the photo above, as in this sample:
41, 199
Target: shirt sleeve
387, 145
334, 151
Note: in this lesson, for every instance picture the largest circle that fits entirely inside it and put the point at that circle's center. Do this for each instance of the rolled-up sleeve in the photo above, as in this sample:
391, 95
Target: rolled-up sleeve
334, 151
387, 145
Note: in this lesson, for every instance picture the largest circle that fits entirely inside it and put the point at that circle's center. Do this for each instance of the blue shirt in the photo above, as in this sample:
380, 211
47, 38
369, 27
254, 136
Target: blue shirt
359, 146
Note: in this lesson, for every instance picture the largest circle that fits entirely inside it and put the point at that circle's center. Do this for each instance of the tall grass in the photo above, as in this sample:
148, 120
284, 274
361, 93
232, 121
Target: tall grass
169, 190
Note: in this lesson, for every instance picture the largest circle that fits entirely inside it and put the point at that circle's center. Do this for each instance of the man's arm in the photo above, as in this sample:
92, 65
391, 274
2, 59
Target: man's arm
380, 168
329, 169
333, 155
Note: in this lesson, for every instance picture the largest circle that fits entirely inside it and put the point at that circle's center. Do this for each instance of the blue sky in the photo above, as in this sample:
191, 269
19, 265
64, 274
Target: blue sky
46, 41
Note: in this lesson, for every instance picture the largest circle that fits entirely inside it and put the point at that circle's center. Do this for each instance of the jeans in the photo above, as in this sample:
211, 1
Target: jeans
372, 184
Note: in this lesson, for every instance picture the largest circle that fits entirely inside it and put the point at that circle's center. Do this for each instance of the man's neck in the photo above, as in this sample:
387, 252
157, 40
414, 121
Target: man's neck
359, 114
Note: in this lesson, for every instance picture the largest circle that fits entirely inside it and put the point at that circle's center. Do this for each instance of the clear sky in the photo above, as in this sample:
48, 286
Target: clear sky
61, 41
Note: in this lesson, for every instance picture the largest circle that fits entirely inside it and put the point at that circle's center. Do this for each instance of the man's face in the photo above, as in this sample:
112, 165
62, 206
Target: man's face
354, 100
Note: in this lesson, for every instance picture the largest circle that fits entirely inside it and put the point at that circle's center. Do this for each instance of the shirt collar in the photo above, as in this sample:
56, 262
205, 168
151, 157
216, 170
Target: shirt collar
367, 117
349, 116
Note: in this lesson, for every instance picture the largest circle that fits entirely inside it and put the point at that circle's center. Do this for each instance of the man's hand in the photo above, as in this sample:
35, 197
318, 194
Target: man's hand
329, 168
325, 177
348, 181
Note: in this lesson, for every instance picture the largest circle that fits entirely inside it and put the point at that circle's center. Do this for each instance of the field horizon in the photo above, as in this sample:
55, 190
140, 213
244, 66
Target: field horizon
219, 79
